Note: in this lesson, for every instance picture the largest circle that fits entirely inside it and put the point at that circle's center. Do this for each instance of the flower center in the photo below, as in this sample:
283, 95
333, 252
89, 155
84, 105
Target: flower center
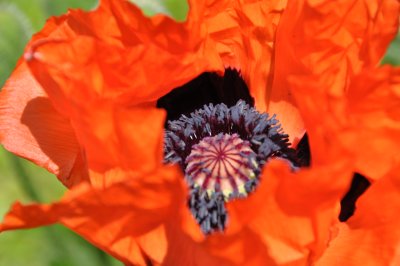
222, 163
221, 151
222, 148
221, 142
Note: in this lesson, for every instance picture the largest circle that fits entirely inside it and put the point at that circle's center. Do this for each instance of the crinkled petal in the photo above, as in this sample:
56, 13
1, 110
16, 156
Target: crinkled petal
373, 109
123, 71
372, 236
240, 33
244, 36
217, 35
31, 128
363, 124
328, 41
290, 214
116, 218
93, 71
130, 139
107, 86
103, 127
323, 35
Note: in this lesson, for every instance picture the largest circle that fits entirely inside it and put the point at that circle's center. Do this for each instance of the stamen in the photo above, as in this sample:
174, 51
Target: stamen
208, 209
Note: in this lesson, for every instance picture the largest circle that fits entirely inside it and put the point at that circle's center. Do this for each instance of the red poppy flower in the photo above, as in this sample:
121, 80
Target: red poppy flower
313, 63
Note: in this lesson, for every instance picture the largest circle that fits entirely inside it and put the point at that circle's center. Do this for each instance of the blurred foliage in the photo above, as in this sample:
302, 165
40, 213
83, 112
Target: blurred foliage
392, 56
19, 19
23, 181
176, 9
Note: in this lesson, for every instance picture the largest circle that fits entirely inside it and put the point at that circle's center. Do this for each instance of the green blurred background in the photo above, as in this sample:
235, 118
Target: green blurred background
21, 180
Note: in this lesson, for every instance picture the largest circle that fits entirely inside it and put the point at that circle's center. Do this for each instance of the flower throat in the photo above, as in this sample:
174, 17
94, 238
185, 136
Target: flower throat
221, 143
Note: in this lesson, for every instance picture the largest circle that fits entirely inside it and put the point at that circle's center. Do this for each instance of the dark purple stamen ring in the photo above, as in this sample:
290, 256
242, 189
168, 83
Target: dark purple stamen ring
262, 132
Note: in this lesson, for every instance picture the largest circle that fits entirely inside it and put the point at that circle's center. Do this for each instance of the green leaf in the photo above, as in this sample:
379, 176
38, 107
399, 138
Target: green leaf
176, 9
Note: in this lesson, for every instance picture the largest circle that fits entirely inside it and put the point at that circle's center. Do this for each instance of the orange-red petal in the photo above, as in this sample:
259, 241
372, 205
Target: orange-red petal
373, 128
31, 128
128, 139
105, 86
372, 236
288, 218
226, 34
328, 41
94, 73
116, 218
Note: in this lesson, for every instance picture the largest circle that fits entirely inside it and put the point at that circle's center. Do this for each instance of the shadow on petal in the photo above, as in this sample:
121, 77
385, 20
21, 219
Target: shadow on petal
56, 139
